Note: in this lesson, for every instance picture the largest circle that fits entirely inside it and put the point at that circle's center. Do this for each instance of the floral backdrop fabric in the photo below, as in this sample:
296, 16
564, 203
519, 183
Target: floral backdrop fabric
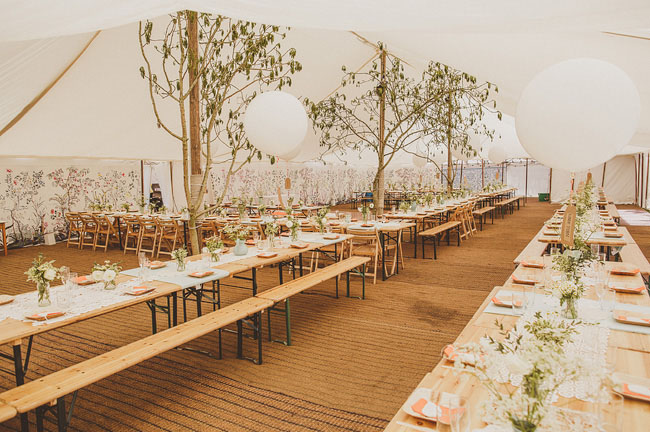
34, 199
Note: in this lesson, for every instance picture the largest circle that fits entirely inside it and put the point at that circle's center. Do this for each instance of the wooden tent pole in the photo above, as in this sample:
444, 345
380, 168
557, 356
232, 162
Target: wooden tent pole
526, 193
460, 181
636, 182
646, 177
39, 96
602, 183
550, 183
482, 173
142, 178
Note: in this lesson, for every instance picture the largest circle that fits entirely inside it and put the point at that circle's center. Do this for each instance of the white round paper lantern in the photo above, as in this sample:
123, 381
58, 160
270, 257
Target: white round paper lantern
419, 159
497, 154
292, 155
275, 123
577, 114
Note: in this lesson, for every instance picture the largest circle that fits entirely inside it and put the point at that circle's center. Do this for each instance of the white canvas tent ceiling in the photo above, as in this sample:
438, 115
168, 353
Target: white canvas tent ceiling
100, 107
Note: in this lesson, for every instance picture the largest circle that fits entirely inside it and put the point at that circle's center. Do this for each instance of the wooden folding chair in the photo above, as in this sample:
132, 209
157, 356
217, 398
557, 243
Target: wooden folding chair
75, 227
169, 234
132, 233
88, 230
149, 234
366, 243
106, 231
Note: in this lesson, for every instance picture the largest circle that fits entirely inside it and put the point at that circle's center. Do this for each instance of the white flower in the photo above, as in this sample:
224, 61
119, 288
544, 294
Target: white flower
289, 224
98, 275
109, 275
516, 365
49, 274
205, 250
372, 205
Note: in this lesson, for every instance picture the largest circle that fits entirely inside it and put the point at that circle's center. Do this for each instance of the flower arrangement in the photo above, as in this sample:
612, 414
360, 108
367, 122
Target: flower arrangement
214, 245
42, 273
271, 229
404, 206
142, 203
428, 199
293, 226
236, 231
106, 273
241, 205
125, 207
321, 219
534, 351
179, 256
365, 210
568, 292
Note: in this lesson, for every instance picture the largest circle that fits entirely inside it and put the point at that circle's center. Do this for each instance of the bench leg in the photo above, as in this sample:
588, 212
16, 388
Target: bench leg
347, 277
435, 250
458, 230
422, 241
255, 323
363, 282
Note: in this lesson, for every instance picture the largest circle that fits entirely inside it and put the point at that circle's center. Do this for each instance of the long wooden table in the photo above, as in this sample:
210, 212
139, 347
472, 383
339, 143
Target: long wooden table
632, 357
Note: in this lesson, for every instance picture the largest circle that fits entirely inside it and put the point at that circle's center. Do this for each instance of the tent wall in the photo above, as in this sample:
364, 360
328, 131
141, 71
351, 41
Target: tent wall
35, 193
619, 180
537, 177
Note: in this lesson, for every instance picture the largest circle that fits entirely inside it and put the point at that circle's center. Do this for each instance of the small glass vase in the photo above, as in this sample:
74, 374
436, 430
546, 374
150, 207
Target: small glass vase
43, 294
240, 248
365, 217
294, 235
110, 285
214, 256
570, 308
180, 265
524, 427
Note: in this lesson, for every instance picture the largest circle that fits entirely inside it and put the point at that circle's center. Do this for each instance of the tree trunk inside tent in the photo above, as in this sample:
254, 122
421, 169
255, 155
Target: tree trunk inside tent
450, 179
378, 184
194, 200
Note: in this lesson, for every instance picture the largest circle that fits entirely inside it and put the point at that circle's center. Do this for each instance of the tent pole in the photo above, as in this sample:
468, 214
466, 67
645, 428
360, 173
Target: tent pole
526, 193
142, 178
550, 183
482, 173
602, 183
636, 182
646, 178
643, 168
503, 170
171, 181
460, 181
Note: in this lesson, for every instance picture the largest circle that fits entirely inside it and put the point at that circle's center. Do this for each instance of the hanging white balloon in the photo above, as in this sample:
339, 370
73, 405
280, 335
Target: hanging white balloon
419, 159
291, 156
275, 123
497, 154
577, 114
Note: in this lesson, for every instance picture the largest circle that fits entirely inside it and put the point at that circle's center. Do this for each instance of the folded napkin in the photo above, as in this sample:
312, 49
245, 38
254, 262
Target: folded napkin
331, 236
613, 234
285, 234
4, 299
632, 320
156, 265
84, 280
267, 254
636, 391
451, 354
532, 264
625, 271
504, 303
42, 316
636, 290
518, 280
139, 290
426, 409
299, 245
201, 274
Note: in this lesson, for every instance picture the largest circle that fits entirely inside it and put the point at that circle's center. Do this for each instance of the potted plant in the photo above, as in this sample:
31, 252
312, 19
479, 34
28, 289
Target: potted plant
42, 273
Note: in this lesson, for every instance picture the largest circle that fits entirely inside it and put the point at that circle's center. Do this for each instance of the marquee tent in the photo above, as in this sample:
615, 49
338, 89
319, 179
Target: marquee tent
99, 108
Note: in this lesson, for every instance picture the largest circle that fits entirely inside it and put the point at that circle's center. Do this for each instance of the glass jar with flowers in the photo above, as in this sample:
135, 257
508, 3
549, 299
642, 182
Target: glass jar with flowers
42, 273
271, 230
179, 256
293, 226
214, 246
320, 219
106, 274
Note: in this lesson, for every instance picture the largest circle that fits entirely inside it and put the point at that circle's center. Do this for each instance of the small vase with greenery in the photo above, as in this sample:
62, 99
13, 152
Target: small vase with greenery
272, 229
179, 256
321, 219
214, 246
238, 233
106, 274
42, 273
293, 226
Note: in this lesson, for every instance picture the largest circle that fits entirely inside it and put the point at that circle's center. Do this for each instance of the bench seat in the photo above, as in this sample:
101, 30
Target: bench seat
434, 232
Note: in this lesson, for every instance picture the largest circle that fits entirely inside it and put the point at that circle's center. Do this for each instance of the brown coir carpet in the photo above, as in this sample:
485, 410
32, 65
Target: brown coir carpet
351, 366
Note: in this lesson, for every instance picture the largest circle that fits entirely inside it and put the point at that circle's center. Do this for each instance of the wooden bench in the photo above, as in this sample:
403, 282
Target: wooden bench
508, 203
434, 232
7, 412
482, 214
534, 249
48, 393
613, 212
283, 292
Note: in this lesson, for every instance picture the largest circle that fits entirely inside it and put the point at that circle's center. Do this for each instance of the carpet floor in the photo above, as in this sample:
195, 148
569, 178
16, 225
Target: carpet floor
351, 365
